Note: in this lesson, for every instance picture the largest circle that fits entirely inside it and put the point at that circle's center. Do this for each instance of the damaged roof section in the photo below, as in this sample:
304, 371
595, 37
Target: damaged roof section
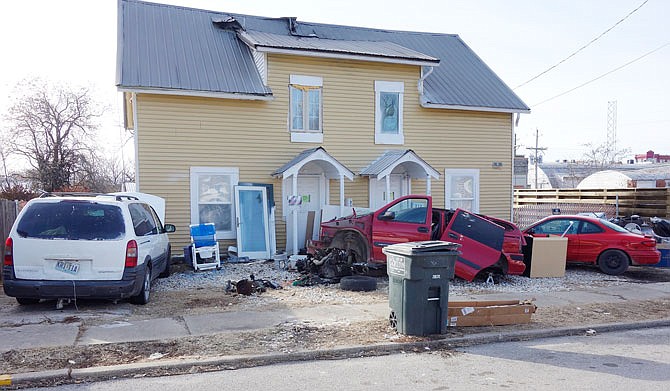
367, 50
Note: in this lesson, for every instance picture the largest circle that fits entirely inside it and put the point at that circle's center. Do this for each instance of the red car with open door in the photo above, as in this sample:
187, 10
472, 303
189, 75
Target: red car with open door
413, 218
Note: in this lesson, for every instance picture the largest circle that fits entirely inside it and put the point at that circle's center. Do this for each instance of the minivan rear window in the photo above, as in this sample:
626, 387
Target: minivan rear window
72, 220
476, 228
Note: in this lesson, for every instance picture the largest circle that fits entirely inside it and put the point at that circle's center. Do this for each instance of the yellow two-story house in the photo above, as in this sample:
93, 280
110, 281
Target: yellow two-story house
266, 126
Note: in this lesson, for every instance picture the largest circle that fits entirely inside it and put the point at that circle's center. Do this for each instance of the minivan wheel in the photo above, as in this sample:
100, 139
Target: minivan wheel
166, 272
27, 300
145, 293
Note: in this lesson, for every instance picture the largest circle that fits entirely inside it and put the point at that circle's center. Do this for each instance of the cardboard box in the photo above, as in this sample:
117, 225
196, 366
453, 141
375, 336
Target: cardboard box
548, 259
489, 313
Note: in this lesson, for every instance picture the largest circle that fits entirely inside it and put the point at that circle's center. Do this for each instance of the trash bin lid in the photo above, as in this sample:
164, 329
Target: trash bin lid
416, 248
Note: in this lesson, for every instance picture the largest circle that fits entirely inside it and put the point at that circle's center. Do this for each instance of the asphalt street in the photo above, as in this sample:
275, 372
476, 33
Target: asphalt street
630, 360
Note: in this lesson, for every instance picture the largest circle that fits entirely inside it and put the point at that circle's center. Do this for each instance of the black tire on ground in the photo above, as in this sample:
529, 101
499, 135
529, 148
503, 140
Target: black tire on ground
358, 283
27, 300
613, 262
166, 272
145, 293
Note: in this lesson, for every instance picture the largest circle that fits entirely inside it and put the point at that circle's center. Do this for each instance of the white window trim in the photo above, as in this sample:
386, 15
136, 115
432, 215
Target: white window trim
309, 81
310, 136
385, 138
474, 173
306, 135
195, 215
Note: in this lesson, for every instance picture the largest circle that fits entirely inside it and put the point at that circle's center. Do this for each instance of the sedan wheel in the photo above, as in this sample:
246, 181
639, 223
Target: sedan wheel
613, 262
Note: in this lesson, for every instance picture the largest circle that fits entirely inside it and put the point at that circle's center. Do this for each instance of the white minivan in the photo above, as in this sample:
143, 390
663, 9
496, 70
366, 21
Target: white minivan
86, 246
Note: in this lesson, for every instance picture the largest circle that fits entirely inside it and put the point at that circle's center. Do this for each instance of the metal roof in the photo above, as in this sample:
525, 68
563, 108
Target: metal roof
649, 173
368, 48
389, 160
177, 48
172, 47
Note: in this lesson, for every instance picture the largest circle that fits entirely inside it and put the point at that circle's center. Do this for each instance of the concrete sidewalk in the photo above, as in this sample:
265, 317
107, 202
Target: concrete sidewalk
53, 334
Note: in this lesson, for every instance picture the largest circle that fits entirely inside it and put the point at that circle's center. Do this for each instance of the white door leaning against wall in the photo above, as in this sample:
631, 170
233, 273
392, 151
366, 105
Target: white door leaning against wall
309, 199
378, 193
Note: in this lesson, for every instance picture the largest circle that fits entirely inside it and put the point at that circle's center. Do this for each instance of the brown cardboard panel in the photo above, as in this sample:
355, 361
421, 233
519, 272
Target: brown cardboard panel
483, 303
489, 313
495, 320
548, 256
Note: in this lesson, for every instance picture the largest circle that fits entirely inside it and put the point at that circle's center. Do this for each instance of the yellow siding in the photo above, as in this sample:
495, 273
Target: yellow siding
178, 132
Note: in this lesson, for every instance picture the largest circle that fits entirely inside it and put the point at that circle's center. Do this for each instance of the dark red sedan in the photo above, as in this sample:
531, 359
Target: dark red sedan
598, 241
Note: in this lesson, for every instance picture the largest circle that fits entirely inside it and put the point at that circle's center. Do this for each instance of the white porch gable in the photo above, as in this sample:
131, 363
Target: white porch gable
311, 161
399, 161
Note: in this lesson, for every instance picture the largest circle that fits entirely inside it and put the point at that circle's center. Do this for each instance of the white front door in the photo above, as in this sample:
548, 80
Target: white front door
378, 193
309, 195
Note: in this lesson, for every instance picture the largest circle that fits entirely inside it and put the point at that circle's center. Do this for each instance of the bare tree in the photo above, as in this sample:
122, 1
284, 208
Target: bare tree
101, 174
603, 155
51, 127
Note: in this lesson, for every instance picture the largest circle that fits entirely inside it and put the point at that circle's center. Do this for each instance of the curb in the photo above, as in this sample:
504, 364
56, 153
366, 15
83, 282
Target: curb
176, 367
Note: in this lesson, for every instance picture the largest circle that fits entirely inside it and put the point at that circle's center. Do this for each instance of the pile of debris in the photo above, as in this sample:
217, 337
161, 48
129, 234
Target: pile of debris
251, 285
326, 266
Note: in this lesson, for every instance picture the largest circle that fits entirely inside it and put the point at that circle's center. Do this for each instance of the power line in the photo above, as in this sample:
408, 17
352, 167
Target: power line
581, 48
603, 75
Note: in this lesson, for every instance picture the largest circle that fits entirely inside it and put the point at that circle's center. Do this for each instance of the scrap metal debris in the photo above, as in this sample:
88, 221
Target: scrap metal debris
251, 285
326, 266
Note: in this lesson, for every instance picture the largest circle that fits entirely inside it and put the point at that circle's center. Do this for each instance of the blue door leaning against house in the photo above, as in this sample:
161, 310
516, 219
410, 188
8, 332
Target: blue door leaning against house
252, 222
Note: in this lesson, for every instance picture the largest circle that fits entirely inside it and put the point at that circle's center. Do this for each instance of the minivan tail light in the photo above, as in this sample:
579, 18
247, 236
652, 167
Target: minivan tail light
9, 252
131, 254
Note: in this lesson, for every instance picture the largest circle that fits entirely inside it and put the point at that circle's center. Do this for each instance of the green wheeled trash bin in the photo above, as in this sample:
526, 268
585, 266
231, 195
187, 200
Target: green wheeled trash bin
419, 274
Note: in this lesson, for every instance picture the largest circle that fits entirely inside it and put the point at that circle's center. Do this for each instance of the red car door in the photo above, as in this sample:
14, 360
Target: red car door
481, 242
593, 239
406, 219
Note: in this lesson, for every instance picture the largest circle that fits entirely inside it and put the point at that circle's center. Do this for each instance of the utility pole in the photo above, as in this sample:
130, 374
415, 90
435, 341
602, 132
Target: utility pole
536, 149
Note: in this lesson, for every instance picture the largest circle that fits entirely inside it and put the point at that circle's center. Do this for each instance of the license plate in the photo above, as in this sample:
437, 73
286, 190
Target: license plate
67, 267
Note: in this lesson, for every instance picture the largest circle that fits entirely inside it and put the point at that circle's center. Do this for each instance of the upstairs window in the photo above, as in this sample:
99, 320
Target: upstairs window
305, 111
389, 112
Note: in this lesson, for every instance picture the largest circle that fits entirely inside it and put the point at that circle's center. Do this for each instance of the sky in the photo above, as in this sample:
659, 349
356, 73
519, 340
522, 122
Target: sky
74, 42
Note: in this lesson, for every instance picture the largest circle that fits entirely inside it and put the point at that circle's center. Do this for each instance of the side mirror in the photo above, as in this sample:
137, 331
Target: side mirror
387, 216
531, 231
169, 228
